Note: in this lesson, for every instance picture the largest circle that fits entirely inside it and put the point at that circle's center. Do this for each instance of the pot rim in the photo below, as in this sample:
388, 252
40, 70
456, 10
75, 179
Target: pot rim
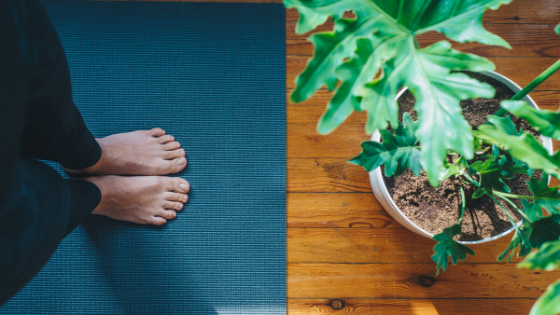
382, 194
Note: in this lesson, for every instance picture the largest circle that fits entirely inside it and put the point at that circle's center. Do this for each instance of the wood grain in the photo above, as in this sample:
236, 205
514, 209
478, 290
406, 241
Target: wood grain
325, 175
342, 210
526, 40
374, 245
518, 12
375, 306
526, 12
323, 280
304, 141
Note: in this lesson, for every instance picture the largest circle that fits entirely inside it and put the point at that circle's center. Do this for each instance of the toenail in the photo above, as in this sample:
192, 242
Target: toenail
183, 187
185, 198
179, 206
180, 162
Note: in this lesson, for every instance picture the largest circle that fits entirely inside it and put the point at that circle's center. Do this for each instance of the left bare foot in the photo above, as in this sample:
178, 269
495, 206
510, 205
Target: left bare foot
143, 152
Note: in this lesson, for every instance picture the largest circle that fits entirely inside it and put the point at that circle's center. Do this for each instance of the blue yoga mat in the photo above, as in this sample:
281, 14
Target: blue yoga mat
213, 76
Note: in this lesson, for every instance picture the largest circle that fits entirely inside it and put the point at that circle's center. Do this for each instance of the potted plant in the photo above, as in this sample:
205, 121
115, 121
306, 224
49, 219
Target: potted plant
372, 54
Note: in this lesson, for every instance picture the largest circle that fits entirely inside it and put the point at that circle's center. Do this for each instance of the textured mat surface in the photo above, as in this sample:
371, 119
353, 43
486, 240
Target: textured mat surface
212, 75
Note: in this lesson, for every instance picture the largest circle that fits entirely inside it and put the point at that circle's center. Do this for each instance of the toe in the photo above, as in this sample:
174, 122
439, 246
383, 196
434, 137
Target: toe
172, 166
168, 155
156, 132
179, 163
177, 185
165, 139
171, 146
171, 196
158, 221
167, 214
173, 205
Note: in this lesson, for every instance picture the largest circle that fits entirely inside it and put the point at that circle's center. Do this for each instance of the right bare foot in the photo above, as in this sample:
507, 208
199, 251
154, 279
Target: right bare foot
140, 199
142, 152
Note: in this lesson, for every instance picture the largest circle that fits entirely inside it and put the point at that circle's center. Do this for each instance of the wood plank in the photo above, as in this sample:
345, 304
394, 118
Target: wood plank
375, 245
325, 175
518, 12
311, 110
404, 281
336, 210
409, 306
520, 70
332, 175
526, 12
527, 40
304, 141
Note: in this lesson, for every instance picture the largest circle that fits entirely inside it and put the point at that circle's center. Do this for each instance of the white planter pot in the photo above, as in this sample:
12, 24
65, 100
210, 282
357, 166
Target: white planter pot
382, 194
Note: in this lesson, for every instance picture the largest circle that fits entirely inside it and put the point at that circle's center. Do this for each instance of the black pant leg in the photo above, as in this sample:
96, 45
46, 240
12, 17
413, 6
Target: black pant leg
37, 206
54, 129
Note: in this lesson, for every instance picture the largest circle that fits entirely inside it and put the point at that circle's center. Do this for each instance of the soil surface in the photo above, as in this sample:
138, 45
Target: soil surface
435, 208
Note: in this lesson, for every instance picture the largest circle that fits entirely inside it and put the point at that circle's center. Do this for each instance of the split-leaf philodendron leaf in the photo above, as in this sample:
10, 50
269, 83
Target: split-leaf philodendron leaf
532, 235
517, 241
525, 148
547, 198
447, 246
397, 152
376, 53
494, 171
532, 210
546, 258
546, 122
549, 302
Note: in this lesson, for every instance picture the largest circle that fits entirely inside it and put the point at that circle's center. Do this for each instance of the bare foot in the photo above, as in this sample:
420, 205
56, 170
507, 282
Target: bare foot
143, 152
140, 199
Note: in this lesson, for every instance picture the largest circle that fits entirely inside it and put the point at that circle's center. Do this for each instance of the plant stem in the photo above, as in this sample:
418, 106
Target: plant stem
522, 196
507, 213
496, 201
471, 180
531, 86
462, 205
502, 194
525, 217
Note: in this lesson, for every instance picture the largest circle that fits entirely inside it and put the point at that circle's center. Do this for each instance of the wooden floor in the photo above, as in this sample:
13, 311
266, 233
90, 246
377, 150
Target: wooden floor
344, 251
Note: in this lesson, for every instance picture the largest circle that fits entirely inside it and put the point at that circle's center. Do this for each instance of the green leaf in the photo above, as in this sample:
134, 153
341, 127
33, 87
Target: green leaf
557, 29
330, 50
397, 152
451, 169
372, 77
531, 235
543, 230
531, 209
520, 239
494, 170
546, 122
354, 73
549, 302
546, 258
545, 197
525, 148
447, 246
505, 124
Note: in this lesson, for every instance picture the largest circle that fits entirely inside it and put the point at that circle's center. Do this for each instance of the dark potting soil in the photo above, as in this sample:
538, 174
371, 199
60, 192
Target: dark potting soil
435, 208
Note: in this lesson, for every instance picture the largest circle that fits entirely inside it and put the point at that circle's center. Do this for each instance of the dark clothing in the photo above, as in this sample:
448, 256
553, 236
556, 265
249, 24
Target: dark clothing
38, 120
